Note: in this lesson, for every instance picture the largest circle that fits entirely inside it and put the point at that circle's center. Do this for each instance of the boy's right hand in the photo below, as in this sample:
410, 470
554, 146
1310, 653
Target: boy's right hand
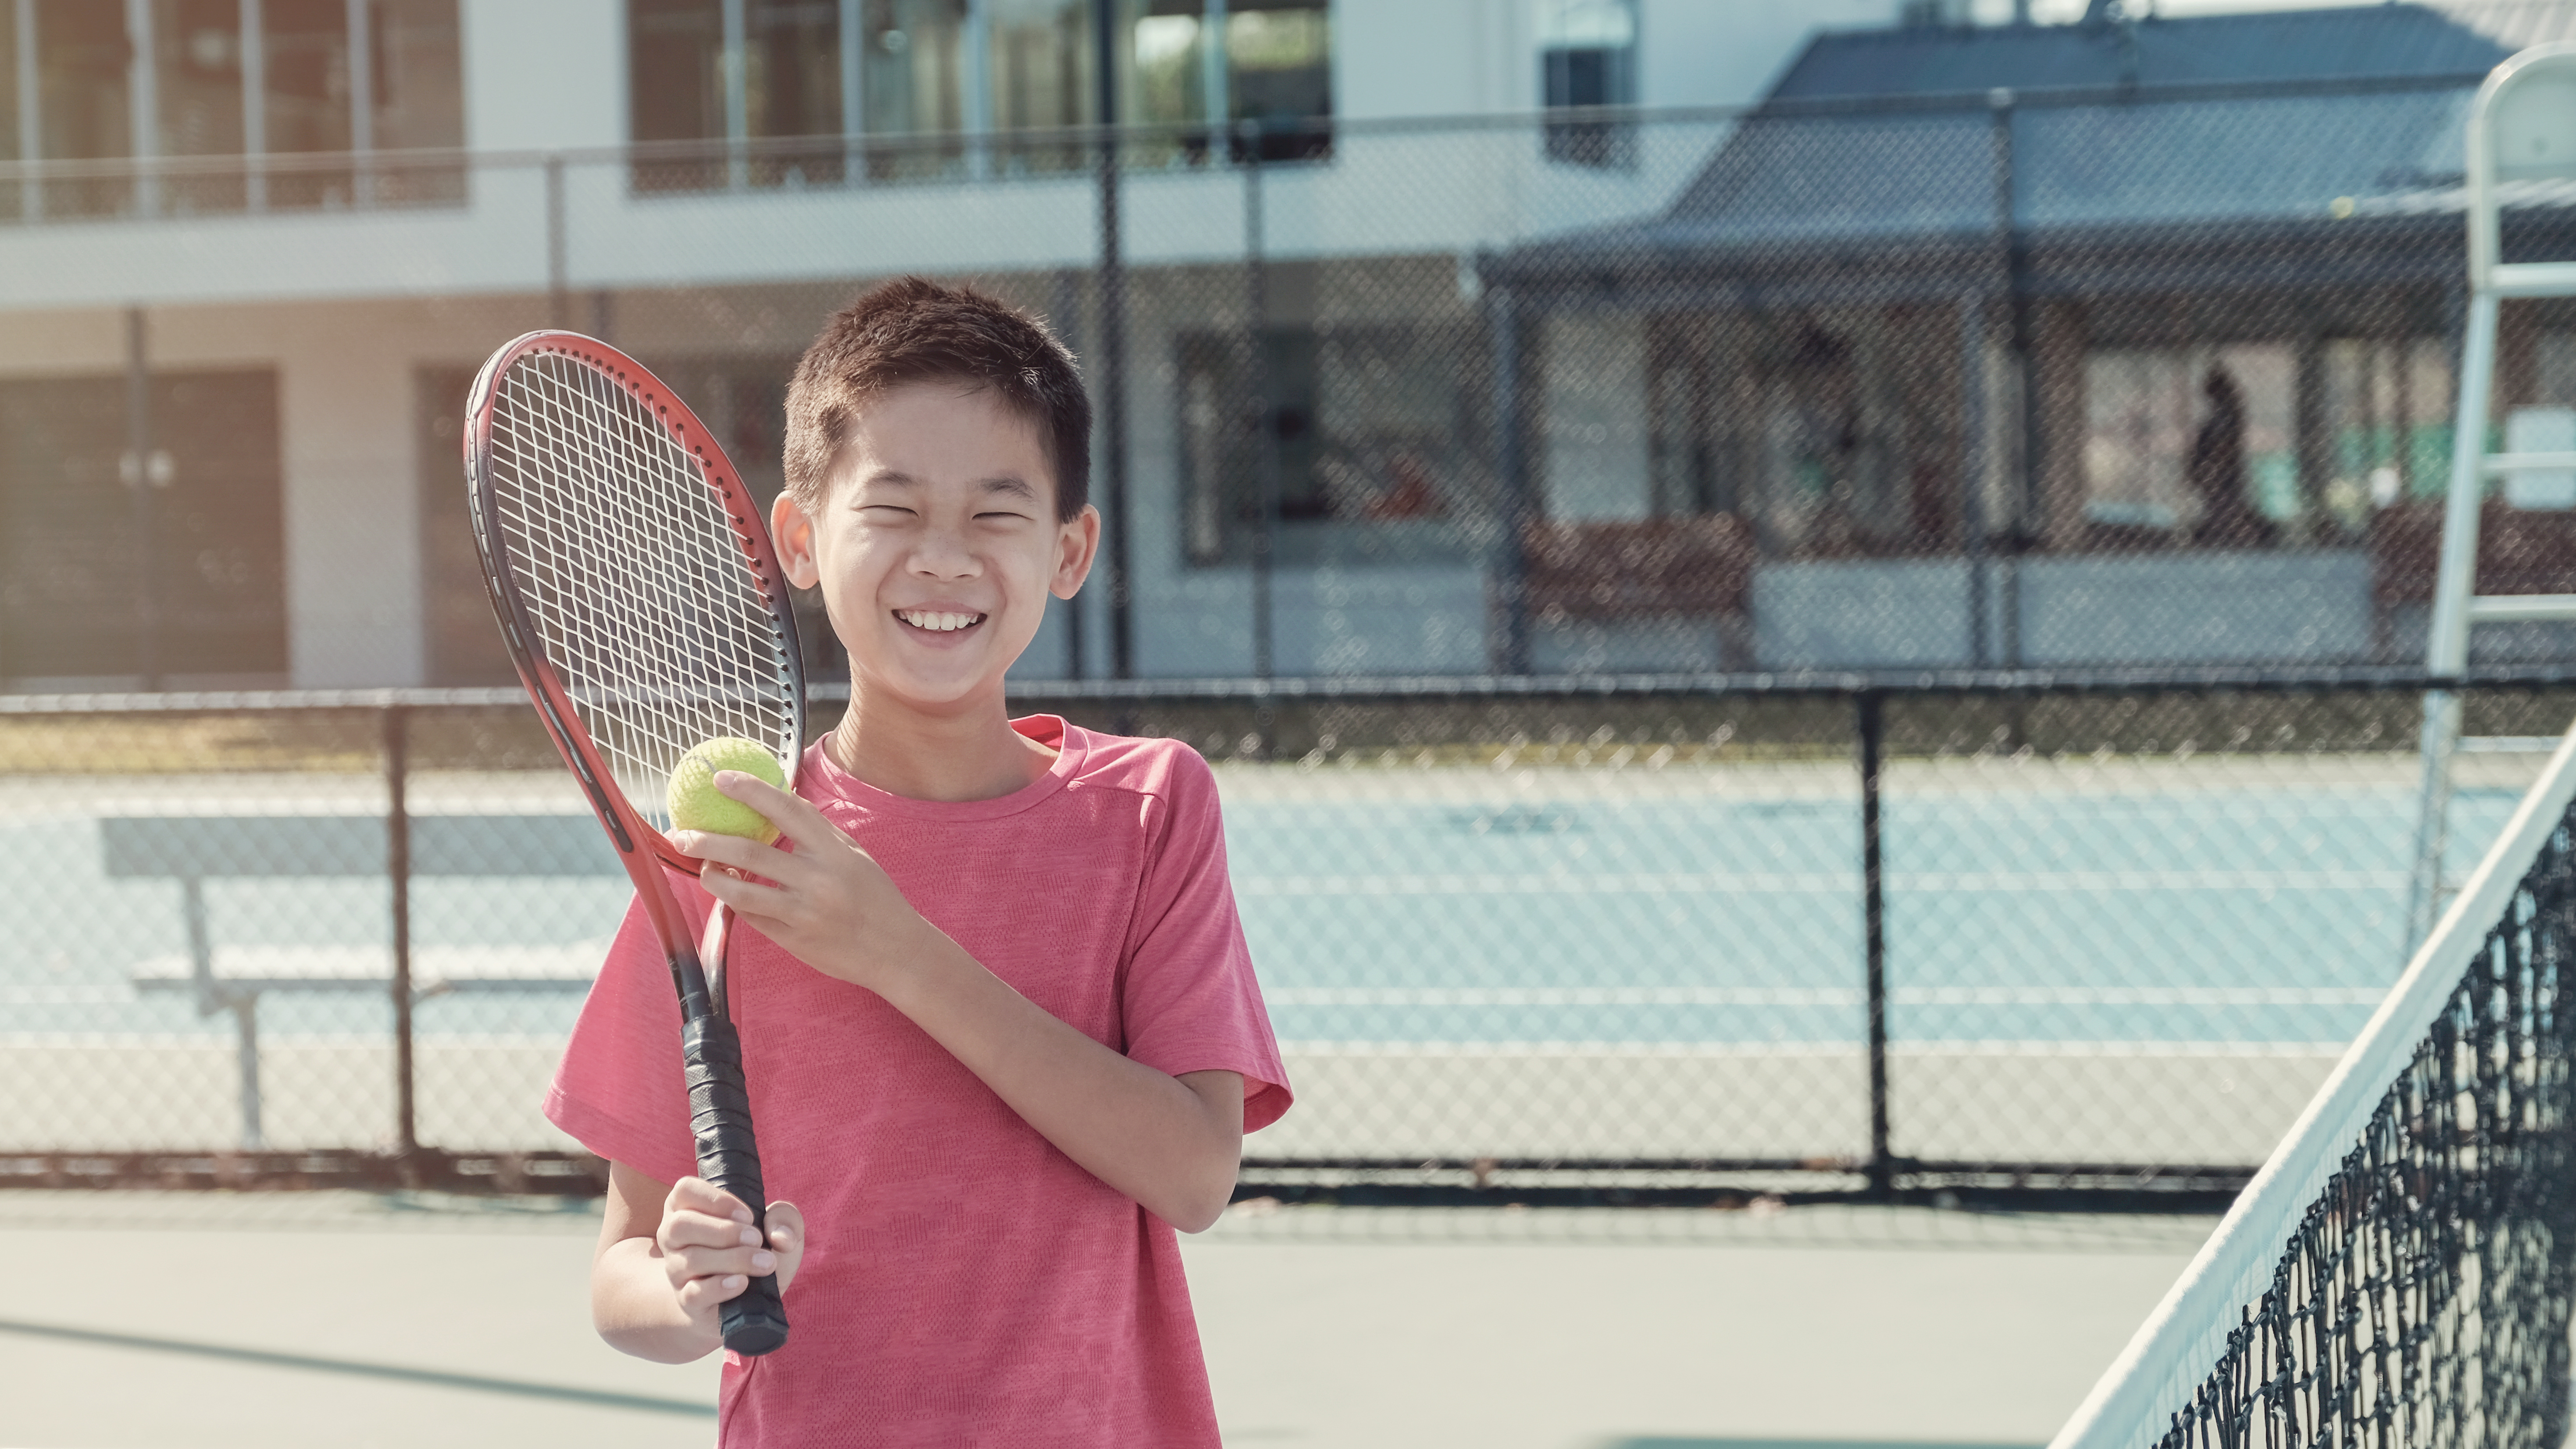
711, 1251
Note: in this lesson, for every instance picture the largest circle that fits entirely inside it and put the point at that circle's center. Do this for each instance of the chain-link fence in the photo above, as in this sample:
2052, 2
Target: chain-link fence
1422, 436
1670, 941
2069, 378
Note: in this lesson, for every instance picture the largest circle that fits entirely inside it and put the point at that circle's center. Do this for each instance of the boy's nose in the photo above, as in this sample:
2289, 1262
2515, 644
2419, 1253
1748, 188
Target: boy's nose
943, 555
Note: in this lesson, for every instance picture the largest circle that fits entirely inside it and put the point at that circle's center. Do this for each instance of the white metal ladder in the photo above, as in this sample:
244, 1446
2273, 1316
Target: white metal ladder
2522, 129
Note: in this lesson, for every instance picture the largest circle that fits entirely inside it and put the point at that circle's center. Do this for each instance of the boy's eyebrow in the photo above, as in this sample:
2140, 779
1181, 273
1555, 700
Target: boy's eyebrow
1006, 483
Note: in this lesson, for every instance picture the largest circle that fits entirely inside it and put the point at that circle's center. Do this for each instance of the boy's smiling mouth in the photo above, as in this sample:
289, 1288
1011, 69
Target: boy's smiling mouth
938, 621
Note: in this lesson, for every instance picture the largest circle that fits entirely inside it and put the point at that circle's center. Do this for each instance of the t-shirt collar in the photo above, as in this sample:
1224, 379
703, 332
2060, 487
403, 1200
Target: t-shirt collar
822, 781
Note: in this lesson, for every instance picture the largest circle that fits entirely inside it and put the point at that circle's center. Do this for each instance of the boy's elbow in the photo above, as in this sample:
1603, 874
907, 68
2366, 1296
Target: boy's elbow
1195, 1206
1201, 1212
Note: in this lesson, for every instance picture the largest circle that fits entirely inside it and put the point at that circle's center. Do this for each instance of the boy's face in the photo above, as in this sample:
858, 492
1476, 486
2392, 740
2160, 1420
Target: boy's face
936, 544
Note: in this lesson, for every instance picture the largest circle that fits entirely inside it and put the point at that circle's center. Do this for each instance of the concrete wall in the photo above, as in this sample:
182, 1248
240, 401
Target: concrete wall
2165, 608
1867, 614
2204, 608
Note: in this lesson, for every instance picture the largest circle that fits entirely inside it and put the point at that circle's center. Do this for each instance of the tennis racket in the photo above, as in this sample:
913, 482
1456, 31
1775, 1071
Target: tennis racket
645, 611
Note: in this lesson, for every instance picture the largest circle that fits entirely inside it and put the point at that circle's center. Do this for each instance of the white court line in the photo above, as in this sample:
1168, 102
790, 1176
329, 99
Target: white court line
1552, 996
1741, 883
1559, 996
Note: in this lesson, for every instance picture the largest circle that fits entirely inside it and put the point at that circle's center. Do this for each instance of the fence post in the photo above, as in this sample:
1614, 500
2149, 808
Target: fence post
1265, 417
1511, 484
558, 250
142, 476
2016, 269
1972, 471
397, 735
1870, 706
1113, 353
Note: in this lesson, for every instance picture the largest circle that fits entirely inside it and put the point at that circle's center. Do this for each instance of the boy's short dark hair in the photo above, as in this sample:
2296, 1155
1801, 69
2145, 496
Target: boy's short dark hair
912, 330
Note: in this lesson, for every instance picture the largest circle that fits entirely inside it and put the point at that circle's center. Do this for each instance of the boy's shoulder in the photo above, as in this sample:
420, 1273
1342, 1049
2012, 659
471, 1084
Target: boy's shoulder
1167, 769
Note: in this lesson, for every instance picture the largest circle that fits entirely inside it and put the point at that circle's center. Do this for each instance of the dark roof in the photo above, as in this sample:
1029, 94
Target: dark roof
2365, 42
2144, 161
1876, 138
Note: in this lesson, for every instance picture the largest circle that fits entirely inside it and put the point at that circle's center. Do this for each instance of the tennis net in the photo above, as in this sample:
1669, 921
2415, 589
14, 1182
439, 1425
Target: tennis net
2399, 1271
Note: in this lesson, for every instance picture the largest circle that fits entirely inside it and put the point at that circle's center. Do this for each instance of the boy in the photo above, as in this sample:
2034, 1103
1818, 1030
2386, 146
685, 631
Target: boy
1000, 1026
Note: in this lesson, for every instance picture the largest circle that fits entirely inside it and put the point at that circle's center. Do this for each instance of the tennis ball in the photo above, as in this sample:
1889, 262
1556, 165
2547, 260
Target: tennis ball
696, 804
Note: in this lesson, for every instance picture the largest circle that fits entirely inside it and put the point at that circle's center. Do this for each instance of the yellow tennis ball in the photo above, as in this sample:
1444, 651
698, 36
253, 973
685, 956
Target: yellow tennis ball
696, 804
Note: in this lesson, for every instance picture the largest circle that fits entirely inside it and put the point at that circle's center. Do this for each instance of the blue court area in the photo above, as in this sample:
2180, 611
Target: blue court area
1461, 907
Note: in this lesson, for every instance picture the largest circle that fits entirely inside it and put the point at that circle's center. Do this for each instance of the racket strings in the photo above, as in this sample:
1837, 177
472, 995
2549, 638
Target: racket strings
633, 575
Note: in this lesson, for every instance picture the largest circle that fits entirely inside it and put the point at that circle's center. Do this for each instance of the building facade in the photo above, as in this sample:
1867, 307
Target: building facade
1448, 335
304, 221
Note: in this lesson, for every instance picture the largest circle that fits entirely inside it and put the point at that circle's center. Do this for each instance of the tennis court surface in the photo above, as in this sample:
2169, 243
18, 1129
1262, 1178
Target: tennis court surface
161, 1321
1645, 951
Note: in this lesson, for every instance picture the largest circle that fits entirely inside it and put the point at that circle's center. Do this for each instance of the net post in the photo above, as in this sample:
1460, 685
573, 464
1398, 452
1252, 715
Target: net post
397, 751
1869, 709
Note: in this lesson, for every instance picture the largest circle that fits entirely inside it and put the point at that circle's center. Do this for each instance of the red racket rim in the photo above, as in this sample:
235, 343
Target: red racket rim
546, 688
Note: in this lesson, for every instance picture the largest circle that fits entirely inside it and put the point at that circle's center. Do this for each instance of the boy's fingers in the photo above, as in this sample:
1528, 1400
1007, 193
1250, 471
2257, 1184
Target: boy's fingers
701, 1230
696, 1194
698, 1295
692, 1263
795, 818
779, 805
747, 897
733, 850
787, 1236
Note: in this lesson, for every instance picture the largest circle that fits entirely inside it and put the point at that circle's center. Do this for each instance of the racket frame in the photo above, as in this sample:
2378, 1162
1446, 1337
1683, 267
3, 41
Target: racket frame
697, 966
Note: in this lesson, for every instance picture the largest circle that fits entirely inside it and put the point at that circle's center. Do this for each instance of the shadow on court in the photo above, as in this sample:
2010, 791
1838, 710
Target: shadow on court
390, 1373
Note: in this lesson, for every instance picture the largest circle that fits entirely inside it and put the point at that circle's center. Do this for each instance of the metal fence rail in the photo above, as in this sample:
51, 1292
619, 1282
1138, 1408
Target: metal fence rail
2072, 939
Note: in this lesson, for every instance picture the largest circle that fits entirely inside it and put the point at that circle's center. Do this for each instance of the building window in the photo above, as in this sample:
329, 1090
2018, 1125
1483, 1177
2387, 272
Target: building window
2191, 446
197, 70
1377, 453
73, 608
218, 78
1588, 58
418, 75
920, 89
1039, 58
2387, 404
913, 78
1232, 61
83, 108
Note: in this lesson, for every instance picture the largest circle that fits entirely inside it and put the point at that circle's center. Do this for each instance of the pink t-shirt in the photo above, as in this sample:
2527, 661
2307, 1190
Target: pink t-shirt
965, 1282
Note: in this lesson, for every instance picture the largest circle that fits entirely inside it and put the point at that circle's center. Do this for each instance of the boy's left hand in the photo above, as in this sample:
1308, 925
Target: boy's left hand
826, 902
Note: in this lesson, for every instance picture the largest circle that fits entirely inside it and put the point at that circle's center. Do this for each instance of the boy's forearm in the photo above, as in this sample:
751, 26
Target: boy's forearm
1137, 1129
632, 1307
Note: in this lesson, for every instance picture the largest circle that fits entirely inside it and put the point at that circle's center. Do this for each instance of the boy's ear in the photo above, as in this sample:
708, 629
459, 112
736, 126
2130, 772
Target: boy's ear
791, 531
1077, 543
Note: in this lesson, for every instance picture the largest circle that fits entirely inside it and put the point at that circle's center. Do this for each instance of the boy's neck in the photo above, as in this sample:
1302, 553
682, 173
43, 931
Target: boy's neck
971, 753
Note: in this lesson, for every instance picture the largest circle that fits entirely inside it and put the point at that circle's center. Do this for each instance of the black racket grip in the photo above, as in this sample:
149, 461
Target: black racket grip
720, 1115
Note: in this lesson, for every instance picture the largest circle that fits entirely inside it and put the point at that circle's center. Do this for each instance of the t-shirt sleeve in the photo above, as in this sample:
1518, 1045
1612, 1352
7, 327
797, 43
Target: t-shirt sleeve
619, 1090
1187, 996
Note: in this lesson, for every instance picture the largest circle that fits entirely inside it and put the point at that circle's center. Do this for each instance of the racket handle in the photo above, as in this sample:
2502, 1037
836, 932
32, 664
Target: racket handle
720, 1114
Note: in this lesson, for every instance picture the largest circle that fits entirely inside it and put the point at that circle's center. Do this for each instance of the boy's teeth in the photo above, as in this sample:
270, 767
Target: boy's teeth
936, 622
